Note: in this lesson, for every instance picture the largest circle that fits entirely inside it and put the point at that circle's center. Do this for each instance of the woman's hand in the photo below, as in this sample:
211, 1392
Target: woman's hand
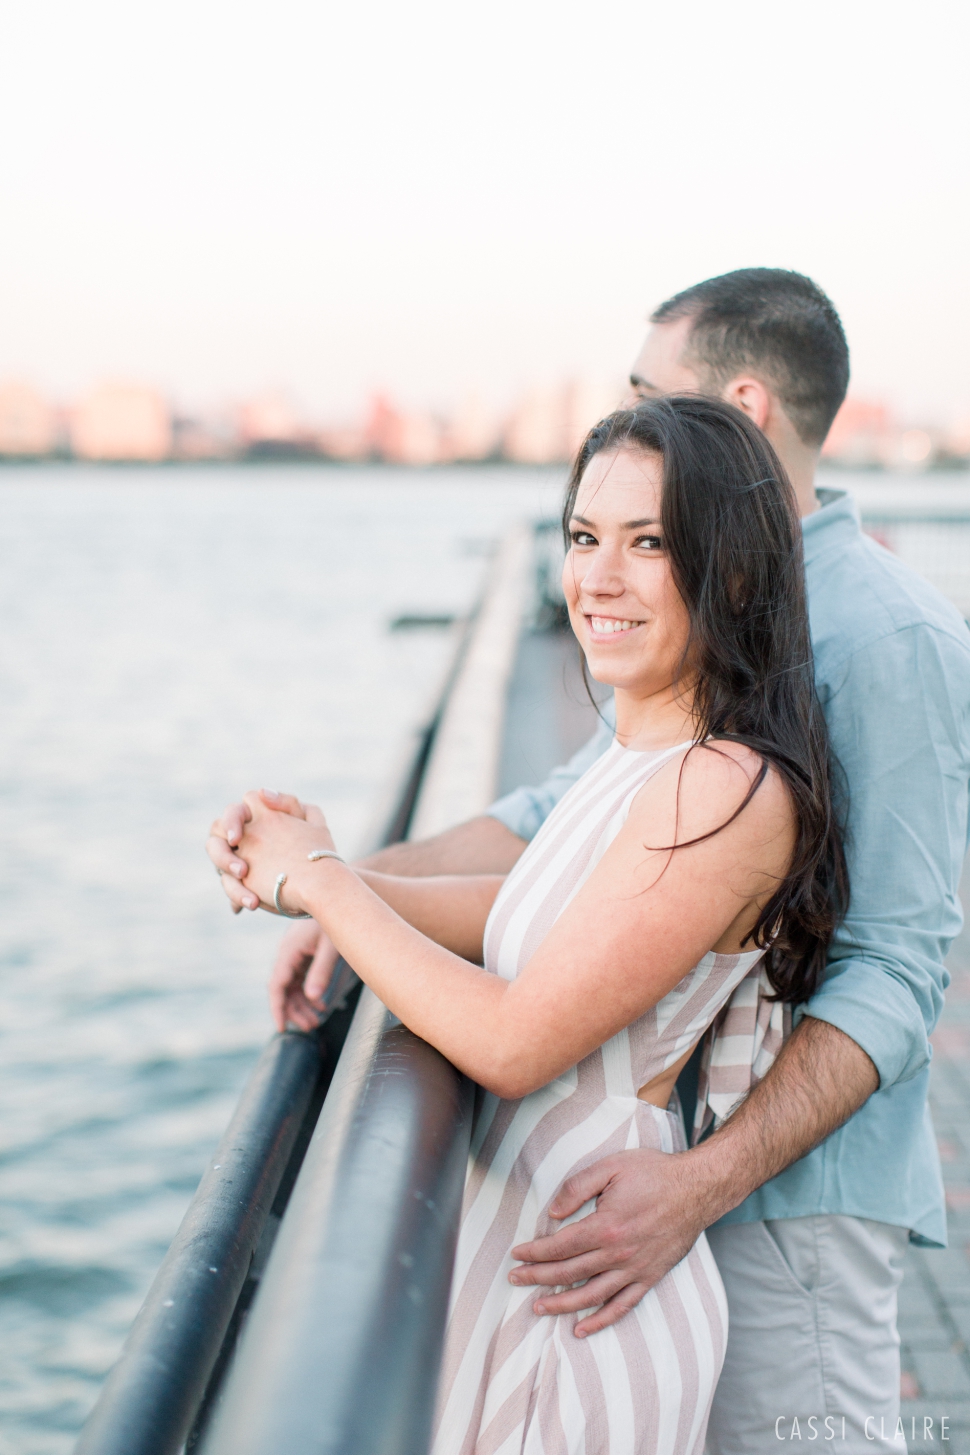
274, 833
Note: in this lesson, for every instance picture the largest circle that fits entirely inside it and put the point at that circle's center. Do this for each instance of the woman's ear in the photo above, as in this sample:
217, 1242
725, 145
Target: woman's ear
750, 396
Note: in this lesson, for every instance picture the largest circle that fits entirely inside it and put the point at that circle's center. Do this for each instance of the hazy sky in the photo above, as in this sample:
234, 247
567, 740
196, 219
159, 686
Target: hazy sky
220, 197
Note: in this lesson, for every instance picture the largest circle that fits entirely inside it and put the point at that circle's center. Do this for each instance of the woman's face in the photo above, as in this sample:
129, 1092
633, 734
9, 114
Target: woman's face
625, 609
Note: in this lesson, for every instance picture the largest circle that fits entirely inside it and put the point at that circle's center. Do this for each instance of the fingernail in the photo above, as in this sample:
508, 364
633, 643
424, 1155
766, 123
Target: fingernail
271, 793
514, 1278
232, 840
580, 1333
539, 1308
237, 869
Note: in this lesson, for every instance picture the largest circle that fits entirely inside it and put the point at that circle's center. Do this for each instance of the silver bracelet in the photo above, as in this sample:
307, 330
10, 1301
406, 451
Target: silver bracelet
286, 913
313, 856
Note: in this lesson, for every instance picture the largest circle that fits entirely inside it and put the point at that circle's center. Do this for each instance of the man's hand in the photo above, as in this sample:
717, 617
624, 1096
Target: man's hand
304, 968
650, 1211
652, 1206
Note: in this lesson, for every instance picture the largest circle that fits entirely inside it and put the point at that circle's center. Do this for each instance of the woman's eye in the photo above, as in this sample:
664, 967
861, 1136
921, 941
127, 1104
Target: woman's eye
650, 543
582, 538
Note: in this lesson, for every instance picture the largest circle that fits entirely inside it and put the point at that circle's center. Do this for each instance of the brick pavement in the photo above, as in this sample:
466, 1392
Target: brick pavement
934, 1301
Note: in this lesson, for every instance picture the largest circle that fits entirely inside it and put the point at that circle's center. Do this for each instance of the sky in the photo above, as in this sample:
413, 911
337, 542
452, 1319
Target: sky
438, 196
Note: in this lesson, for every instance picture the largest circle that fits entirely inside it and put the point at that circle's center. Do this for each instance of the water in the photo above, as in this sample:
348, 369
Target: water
171, 638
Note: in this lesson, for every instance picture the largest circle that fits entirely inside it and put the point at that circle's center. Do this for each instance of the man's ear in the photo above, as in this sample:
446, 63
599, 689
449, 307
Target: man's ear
752, 397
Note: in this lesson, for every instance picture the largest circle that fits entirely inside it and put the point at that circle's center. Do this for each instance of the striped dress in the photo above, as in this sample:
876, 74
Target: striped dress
514, 1381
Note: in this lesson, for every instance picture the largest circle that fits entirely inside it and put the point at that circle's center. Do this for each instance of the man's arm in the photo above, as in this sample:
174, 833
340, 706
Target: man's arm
652, 1207
899, 722
483, 845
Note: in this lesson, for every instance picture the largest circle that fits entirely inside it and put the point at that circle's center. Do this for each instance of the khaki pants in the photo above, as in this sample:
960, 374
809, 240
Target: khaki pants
812, 1337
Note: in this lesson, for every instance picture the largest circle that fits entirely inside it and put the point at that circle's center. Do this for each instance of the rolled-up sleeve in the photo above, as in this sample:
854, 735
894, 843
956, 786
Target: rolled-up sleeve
525, 810
899, 720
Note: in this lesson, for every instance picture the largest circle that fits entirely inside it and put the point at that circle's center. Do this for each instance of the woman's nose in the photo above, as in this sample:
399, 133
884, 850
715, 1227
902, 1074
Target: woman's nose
603, 578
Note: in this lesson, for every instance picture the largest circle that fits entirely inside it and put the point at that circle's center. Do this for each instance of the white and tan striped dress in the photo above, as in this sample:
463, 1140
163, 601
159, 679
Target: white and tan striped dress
514, 1381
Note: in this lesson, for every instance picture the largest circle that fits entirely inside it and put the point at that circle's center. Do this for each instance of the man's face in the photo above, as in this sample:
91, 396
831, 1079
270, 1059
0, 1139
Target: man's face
658, 369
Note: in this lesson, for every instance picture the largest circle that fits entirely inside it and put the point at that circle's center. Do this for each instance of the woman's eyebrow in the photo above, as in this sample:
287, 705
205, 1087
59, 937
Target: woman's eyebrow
627, 524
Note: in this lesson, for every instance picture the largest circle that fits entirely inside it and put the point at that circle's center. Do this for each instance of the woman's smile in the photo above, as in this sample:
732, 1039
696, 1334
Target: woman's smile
605, 626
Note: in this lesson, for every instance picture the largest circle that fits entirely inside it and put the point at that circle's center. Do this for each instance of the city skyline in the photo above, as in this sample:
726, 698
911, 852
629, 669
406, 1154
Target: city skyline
125, 421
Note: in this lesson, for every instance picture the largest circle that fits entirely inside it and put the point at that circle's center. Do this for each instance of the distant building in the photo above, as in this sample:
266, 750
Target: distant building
472, 433
536, 432
347, 442
205, 438
400, 438
28, 425
549, 424
269, 424
122, 422
956, 442
861, 433
586, 402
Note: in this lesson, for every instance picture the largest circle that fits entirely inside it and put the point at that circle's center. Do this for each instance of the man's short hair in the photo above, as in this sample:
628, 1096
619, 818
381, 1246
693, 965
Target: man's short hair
775, 324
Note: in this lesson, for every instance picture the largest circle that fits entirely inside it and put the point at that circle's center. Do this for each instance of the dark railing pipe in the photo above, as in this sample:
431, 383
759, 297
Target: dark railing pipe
150, 1399
340, 1353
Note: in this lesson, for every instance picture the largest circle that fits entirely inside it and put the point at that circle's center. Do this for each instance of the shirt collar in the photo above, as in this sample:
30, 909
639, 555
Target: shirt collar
835, 521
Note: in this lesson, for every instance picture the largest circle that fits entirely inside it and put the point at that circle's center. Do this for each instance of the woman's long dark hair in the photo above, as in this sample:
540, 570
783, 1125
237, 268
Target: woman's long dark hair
732, 536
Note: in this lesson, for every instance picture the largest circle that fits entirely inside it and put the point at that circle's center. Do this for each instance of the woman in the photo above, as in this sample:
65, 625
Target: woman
698, 851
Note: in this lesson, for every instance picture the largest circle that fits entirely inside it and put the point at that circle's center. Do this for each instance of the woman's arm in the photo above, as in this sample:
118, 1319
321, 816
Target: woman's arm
642, 920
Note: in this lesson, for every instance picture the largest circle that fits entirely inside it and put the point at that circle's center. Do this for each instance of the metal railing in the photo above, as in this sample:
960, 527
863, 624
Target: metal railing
341, 1351
152, 1396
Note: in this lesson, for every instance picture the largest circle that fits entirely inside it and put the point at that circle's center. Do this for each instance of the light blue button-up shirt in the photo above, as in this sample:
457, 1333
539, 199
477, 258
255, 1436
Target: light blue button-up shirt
892, 664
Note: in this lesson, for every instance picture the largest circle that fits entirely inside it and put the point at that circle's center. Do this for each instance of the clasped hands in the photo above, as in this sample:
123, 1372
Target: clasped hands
254, 841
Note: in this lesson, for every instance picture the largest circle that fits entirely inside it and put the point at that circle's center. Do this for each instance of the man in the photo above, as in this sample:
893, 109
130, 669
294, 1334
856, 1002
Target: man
812, 1187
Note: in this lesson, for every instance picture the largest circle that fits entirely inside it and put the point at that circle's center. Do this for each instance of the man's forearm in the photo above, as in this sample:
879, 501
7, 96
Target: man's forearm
821, 1077
480, 846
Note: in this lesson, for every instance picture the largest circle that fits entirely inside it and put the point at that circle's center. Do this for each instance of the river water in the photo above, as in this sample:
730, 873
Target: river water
170, 638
